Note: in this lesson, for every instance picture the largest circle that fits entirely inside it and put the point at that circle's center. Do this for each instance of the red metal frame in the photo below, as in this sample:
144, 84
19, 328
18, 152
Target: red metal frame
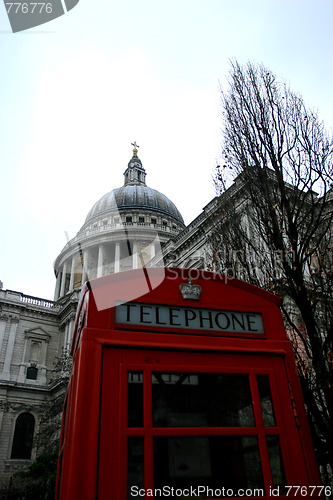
95, 420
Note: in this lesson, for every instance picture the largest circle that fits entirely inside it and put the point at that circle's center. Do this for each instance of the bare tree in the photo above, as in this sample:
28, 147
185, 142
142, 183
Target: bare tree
275, 224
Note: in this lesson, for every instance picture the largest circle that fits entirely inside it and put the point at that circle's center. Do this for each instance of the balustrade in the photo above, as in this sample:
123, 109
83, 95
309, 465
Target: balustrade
27, 299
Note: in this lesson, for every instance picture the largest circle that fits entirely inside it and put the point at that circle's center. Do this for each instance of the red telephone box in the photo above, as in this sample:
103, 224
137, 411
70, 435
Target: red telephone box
183, 385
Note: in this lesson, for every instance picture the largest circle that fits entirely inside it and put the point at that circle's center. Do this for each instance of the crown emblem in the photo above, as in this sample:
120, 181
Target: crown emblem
190, 291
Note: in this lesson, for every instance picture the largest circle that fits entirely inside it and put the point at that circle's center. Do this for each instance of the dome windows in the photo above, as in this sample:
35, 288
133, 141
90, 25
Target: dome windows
133, 197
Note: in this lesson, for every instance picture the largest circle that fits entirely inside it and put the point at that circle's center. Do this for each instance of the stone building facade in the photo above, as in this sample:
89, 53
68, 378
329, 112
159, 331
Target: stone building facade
123, 230
33, 334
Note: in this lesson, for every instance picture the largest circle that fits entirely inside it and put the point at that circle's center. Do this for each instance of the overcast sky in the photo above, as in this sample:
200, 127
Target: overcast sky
75, 92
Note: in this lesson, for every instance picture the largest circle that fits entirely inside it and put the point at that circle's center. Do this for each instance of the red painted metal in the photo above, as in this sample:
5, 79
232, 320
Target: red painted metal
93, 449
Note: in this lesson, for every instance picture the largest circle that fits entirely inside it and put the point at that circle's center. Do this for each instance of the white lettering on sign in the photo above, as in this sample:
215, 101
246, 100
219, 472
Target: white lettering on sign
134, 313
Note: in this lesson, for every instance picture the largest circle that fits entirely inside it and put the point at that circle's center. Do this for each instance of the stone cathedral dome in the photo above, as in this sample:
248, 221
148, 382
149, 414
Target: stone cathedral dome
123, 230
135, 196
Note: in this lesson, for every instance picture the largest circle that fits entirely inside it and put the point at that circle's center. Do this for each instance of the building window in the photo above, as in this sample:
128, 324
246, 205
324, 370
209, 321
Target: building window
153, 220
32, 373
23, 437
141, 220
165, 223
128, 219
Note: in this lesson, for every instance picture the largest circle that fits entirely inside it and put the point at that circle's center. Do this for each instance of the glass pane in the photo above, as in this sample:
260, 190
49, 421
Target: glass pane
225, 463
275, 460
135, 465
135, 399
266, 400
201, 400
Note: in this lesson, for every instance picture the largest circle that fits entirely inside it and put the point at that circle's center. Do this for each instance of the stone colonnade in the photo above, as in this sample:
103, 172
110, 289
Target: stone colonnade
100, 260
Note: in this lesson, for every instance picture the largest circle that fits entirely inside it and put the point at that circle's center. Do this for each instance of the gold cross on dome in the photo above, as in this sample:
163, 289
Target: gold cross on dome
135, 150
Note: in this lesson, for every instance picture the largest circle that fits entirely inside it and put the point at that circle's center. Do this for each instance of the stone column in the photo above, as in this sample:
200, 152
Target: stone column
152, 250
100, 261
22, 371
3, 323
57, 288
1, 418
117, 258
66, 337
63, 280
42, 366
71, 330
71, 282
85, 276
135, 256
10, 348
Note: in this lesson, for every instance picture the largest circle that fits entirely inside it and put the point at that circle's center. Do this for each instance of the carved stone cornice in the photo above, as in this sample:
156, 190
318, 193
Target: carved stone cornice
14, 318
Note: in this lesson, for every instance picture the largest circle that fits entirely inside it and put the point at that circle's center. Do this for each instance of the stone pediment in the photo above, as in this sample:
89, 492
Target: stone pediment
37, 333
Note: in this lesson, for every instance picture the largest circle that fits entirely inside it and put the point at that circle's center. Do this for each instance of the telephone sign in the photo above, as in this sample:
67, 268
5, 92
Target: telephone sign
134, 313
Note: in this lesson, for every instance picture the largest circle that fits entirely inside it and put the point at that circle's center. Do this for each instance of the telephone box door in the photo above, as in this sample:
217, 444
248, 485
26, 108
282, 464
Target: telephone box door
208, 425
